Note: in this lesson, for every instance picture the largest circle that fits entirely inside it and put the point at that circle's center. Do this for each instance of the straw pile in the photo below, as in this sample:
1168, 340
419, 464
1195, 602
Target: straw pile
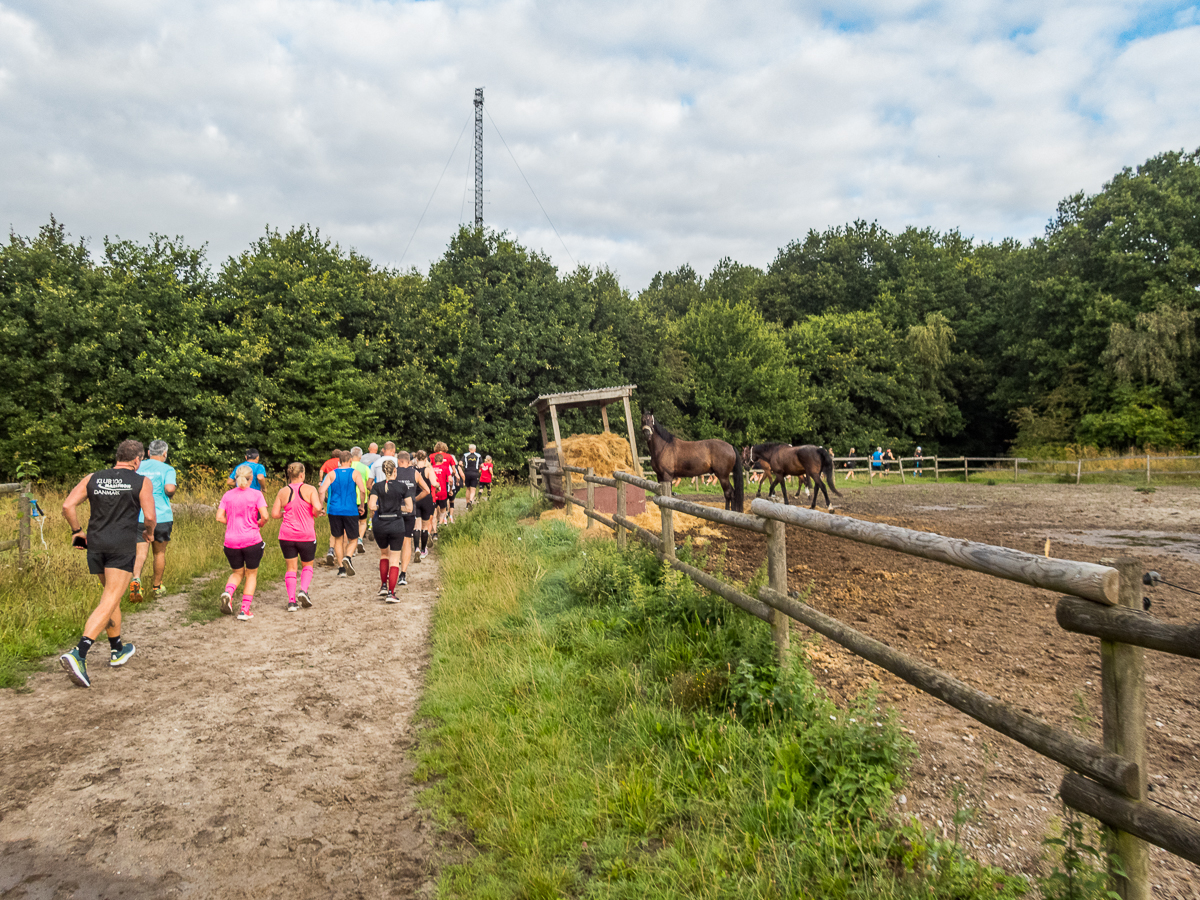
700, 530
603, 452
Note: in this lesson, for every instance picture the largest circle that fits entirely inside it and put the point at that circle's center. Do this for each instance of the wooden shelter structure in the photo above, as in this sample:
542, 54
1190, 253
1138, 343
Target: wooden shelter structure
601, 397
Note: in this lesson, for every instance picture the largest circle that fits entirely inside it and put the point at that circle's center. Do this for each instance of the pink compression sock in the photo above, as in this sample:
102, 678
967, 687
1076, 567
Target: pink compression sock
247, 599
230, 587
289, 581
306, 577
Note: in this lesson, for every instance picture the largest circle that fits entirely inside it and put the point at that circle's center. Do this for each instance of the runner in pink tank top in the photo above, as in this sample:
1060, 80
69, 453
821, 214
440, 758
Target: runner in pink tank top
297, 504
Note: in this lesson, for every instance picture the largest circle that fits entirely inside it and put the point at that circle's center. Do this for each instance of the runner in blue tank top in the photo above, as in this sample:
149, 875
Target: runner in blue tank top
339, 491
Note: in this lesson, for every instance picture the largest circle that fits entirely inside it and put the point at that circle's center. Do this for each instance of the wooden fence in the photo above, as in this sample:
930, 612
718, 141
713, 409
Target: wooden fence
1105, 780
25, 507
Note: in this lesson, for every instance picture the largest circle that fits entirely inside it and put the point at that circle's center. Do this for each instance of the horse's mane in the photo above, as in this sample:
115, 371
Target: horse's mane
763, 448
663, 433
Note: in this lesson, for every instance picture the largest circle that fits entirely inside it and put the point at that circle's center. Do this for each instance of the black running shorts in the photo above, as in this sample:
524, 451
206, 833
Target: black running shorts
162, 533
390, 534
472, 480
443, 504
306, 550
343, 525
245, 557
424, 508
98, 560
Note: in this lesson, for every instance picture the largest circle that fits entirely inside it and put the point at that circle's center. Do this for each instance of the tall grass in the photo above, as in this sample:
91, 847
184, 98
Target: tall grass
43, 609
604, 728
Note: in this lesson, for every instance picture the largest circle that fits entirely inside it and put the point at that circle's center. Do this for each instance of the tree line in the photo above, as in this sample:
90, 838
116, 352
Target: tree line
852, 336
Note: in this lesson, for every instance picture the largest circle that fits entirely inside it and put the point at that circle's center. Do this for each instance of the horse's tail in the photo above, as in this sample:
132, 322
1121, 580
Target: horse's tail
827, 470
739, 484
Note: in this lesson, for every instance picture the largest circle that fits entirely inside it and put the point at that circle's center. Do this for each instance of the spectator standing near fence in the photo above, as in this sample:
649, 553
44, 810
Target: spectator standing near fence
850, 463
917, 462
115, 496
888, 459
877, 460
162, 480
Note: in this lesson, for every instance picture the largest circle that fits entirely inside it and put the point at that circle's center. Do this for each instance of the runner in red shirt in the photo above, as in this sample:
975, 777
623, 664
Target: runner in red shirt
329, 465
443, 466
485, 476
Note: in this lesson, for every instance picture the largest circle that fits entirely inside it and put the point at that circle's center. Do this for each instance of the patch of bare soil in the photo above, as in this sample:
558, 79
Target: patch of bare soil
260, 759
1002, 638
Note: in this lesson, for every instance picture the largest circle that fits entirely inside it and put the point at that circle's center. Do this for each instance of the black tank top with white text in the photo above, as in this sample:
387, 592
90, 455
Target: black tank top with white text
114, 495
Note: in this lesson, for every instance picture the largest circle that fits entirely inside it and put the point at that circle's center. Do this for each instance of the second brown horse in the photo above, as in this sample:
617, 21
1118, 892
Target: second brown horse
806, 461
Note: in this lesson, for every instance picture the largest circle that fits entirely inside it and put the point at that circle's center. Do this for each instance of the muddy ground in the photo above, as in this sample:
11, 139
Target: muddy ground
1003, 638
260, 759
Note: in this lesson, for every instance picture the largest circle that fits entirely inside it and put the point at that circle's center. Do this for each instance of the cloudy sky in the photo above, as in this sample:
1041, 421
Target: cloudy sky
653, 133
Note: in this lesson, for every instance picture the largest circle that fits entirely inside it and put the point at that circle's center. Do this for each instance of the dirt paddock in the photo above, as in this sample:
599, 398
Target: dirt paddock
1002, 638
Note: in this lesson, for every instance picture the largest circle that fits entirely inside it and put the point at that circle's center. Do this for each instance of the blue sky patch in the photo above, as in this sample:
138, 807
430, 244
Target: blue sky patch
1155, 19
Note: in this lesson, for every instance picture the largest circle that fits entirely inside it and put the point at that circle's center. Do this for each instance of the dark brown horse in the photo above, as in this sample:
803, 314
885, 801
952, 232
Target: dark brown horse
673, 458
806, 461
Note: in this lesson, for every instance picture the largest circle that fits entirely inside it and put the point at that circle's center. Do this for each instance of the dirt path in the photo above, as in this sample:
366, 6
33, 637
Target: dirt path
260, 759
1002, 637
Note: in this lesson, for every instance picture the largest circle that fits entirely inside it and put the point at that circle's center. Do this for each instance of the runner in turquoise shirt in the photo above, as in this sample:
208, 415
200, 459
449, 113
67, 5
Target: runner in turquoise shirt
162, 477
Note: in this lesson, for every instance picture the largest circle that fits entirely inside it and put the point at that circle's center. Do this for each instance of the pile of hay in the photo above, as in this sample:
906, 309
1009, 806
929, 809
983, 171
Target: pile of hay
700, 530
605, 453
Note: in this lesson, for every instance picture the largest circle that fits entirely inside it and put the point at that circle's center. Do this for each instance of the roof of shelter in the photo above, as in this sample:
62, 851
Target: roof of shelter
579, 399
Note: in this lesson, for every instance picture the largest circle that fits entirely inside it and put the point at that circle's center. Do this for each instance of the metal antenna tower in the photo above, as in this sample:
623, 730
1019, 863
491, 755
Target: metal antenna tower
478, 157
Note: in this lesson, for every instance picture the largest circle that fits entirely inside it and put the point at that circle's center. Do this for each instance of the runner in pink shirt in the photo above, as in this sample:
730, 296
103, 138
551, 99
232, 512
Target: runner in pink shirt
297, 505
243, 511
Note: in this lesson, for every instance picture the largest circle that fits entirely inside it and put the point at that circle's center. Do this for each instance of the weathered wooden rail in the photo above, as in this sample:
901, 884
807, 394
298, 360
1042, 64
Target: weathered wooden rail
1105, 780
25, 508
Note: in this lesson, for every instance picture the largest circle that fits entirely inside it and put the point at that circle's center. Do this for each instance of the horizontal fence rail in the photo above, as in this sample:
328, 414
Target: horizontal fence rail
1105, 781
1087, 580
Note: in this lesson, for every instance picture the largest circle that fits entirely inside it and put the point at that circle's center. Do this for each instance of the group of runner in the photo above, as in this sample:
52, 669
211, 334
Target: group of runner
379, 496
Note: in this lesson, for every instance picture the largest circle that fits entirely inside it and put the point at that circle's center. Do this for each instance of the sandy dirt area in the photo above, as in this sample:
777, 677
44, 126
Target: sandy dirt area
1003, 638
260, 759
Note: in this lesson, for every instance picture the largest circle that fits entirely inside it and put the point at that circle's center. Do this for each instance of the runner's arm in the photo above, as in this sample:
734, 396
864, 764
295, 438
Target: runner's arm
221, 517
277, 506
263, 516
373, 503
317, 507
78, 495
321, 491
423, 486
146, 498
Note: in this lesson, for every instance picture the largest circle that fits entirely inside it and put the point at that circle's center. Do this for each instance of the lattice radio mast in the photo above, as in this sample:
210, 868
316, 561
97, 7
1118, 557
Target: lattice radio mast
478, 157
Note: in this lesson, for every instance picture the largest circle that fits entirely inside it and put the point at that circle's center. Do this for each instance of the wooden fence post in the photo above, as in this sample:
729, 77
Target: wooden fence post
966, 470
1078, 470
1147, 468
935, 468
668, 523
1122, 672
777, 579
590, 506
622, 487
568, 490
533, 475
1016, 465
900, 463
26, 510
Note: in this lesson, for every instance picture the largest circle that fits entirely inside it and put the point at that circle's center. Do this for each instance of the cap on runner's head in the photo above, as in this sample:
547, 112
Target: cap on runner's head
918, 449
251, 453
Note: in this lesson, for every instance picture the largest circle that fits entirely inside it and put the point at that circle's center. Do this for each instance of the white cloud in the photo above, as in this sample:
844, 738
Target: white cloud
653, 134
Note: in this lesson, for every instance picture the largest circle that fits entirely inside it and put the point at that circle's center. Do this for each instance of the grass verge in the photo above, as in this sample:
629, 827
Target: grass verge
602, 727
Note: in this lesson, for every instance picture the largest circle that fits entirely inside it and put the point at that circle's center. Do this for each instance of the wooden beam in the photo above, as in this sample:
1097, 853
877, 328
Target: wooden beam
604, 417
542, 425
633, 451
714, 514
1080, 579
1145, 820
1061, 746
562, 456
1129, 626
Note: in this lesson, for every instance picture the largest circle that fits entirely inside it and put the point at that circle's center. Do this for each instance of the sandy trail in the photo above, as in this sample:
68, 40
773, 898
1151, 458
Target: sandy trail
269, 758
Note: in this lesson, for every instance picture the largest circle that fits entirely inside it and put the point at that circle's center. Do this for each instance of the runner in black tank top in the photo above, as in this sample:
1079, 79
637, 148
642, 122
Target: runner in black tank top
396, 507
116, 496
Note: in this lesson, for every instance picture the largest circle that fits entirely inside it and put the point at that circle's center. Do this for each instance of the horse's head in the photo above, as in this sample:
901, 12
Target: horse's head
748, 455
647, 425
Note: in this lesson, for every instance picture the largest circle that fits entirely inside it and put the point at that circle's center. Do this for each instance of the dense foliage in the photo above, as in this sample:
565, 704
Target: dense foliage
852, 336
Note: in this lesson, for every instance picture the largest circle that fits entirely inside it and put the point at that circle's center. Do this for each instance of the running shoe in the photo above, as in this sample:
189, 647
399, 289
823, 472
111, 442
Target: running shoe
305, 601
370, 534
361, 548
391, 598
120, 657
245, 616
330, 559
226, 603
160, 591
348, 562
76, 667
135, 591
383, 590
403, 579
424, 553
292, 607
341, 573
